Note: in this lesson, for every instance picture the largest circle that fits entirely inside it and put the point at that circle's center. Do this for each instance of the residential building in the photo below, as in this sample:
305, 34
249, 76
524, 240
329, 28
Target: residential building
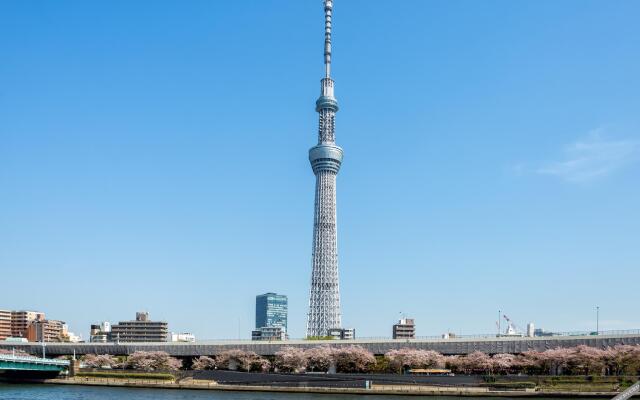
100, 333
348, 334
404, 329
20, 321
342, 334
97, 335
47, 330
271, 311
5, 324
73, 338
140, 330
269, 333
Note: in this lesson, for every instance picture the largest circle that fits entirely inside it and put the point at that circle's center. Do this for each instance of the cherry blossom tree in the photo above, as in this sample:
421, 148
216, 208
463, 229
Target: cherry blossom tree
531, 362
242, 360
260, 364
623, 359
504, 363
99, 361
476, 363
479, 362
588, 360
319, 358
153, 361
203, 362
412, 358
353, 359
290, 359
17, 352
557, 360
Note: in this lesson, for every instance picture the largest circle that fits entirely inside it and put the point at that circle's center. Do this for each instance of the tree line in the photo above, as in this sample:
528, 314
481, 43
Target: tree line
580, 360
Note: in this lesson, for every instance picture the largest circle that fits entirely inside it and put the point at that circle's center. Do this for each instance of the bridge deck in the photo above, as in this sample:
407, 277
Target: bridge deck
11, 362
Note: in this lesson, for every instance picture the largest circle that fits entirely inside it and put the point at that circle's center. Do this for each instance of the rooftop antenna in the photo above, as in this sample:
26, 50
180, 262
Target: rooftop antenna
328, 10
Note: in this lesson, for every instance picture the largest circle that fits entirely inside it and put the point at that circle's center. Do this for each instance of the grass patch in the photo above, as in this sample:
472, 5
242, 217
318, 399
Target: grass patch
126, 375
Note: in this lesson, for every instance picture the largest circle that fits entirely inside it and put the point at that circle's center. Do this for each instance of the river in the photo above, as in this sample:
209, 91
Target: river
64, 392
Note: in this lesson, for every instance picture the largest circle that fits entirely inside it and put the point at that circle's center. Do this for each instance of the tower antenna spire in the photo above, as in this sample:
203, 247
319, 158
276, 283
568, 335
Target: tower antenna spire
328, 10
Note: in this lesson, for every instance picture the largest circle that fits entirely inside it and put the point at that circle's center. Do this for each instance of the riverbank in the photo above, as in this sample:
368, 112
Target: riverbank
376, 389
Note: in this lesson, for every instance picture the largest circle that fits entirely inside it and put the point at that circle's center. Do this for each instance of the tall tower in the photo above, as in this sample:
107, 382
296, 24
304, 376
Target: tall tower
325, 158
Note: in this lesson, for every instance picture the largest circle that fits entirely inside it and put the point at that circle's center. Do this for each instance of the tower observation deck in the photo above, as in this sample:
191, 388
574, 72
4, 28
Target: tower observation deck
326, 158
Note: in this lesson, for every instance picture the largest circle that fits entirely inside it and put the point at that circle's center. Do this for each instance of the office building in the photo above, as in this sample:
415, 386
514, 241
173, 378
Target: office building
140, 330
269, 333
271, 311
404, 329
5, 324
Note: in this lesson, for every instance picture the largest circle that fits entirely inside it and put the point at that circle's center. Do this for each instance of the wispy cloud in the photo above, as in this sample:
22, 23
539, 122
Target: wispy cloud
592, 158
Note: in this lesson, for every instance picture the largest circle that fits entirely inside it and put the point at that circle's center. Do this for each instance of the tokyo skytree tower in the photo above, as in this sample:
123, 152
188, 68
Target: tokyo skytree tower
325, 158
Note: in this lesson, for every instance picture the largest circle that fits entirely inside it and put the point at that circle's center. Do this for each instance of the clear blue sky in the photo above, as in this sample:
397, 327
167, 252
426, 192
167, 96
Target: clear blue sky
153, 156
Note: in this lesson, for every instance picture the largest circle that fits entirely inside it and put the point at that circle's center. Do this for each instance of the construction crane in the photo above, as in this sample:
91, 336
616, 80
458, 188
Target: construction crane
512, 328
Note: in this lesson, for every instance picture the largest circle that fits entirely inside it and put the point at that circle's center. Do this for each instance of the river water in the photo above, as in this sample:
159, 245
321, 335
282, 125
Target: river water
63, 392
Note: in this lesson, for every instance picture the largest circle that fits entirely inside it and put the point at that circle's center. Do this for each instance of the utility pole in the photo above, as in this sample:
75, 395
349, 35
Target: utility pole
597, 320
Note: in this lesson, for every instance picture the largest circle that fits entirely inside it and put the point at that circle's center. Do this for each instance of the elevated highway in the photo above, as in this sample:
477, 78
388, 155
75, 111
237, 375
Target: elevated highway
490, 345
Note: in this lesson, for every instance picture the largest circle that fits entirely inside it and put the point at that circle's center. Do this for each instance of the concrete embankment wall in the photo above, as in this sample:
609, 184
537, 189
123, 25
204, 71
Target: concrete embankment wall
395, 390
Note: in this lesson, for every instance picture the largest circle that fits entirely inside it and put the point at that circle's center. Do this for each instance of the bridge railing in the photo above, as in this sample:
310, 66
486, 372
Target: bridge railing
439, 337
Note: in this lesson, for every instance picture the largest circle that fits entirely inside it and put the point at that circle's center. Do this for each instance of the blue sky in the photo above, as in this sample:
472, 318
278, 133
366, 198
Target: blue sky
153, 156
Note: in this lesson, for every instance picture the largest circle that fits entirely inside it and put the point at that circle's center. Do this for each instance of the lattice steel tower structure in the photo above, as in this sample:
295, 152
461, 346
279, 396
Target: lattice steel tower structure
325, 158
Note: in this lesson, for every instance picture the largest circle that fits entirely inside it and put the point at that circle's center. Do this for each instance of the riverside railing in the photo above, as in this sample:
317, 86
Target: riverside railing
451, 337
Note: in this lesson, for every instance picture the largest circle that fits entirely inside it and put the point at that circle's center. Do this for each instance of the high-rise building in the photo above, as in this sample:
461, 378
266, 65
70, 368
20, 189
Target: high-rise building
20, 321
404, 329
5, 324
271, 311
140, 330
325, 158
